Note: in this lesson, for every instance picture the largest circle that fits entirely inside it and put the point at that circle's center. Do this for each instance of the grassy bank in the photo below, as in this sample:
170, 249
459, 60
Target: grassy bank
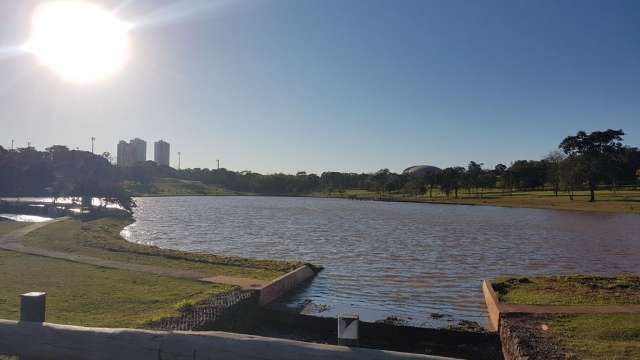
569, 290
175, 187
101, 238
593, 336
7, 226
87, 295
624, 201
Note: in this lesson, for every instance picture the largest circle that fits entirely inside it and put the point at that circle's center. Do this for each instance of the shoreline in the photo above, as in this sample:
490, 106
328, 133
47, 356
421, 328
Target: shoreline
464, 202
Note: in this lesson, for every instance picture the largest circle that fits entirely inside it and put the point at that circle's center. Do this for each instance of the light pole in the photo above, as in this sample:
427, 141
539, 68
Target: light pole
218, 164
12, 144
93, 141
179, 155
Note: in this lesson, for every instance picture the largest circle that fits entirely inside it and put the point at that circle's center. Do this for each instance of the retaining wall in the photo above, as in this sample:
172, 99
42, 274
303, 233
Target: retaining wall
206, 314
50, 341
284, 284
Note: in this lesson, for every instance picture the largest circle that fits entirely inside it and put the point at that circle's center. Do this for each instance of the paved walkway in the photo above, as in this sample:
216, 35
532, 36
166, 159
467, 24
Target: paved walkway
13, 242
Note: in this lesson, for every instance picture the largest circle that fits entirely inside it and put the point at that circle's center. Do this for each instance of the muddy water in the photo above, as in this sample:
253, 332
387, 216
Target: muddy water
422, 263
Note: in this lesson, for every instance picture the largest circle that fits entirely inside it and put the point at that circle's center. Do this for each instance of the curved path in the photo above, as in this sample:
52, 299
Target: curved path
13, 242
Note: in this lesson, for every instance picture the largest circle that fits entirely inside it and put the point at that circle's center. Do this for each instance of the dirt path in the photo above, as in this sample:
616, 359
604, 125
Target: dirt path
13, 242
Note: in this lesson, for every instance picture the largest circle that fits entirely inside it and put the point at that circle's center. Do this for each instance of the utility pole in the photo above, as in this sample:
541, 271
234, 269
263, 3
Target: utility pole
12, 144
218, 164
93, 141
179, 155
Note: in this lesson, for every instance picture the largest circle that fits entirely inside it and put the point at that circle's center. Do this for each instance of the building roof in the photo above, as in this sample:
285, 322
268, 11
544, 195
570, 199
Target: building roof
421, 170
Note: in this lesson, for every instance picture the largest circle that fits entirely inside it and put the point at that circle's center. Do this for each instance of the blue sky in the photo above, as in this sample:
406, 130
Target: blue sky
293, 85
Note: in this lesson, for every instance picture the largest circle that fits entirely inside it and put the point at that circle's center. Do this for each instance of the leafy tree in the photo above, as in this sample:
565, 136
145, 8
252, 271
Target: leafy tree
474, 171
527, 174
595, 150
571, 174
450, 180
553, 160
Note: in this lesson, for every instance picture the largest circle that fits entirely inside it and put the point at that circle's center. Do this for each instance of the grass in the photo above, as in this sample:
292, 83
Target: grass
101, 238
624, 201
175, 187
595, 336
7, 226
612, 336
87, 295
569, 290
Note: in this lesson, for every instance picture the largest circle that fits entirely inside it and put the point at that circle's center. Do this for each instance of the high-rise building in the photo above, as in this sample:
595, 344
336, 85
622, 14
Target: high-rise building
161, 152
132, 152
139, 150
123, 153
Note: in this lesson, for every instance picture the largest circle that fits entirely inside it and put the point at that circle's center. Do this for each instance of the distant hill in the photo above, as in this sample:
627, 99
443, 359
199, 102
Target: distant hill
174, 187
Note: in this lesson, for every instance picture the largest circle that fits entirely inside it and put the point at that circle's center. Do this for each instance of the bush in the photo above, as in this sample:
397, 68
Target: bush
185, 306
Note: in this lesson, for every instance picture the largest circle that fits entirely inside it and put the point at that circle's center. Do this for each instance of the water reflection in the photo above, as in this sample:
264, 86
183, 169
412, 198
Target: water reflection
382, 259
25, 218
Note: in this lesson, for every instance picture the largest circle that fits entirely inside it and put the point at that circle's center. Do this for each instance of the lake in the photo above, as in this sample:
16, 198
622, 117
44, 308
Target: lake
420, 262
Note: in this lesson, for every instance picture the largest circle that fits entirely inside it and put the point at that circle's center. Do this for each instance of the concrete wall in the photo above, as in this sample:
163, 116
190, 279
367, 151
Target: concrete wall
493, 306
208, 313
50, 341
284, 284
512, 346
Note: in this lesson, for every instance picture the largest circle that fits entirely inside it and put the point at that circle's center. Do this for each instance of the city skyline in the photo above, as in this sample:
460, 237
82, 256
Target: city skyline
398, 84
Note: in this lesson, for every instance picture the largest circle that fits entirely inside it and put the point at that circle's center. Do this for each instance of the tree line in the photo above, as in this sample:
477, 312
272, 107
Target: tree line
60, 172
583, 161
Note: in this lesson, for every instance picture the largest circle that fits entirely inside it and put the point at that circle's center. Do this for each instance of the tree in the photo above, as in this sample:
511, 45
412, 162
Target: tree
527, 174
594, 151
474, 171
450, 180
553, 160
571, 174
415, 185
431, 179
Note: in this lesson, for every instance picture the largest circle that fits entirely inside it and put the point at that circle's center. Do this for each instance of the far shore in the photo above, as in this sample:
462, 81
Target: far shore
623, 201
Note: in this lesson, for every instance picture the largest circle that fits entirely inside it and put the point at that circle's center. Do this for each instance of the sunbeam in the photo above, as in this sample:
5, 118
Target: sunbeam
177, 12
123, 5
9, 52
9, 84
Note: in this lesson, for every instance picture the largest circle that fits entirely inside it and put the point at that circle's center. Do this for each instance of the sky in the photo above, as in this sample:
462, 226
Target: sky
334, 85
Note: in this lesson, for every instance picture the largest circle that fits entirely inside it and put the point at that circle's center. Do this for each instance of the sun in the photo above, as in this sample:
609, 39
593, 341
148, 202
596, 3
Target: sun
80, 41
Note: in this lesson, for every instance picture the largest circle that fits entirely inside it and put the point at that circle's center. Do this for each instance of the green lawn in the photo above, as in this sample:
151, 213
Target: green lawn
175, 187
7, 226
625, 201
101, 238
598, 336
87, 295
569, 290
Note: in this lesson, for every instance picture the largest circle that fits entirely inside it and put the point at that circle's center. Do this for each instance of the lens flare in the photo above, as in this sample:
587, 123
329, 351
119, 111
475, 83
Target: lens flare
78, 40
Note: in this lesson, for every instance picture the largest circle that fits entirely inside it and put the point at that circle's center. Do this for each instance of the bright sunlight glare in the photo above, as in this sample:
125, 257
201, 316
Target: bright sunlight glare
78, 40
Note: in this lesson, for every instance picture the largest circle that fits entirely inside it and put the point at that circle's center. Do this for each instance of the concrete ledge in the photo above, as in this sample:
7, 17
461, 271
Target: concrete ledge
51, 341
496, 309
493, 305
284, 284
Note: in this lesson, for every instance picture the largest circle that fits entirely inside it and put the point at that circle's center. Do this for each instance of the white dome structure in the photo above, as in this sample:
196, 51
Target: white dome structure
421, 170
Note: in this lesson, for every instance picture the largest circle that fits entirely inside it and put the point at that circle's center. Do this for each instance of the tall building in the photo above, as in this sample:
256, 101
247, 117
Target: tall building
161, 152
139, 150
132, 152
123, 153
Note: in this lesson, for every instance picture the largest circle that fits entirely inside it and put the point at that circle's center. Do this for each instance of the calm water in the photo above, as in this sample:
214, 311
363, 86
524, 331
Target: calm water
394, 259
